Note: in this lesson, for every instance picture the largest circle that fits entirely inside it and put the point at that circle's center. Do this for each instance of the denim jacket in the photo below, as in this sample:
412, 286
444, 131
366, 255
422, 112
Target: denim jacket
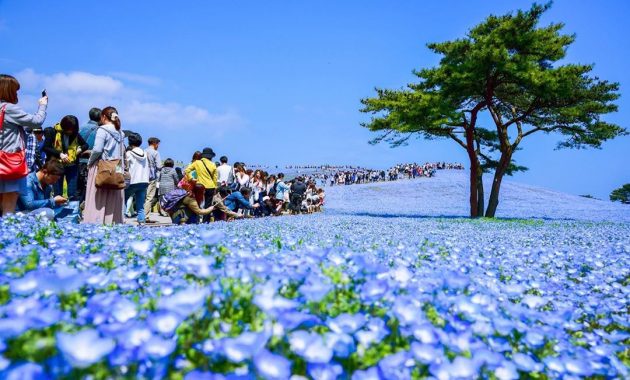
34, 196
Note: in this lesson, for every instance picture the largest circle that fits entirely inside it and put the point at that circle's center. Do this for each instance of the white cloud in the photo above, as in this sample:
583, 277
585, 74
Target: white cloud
76, 92
75, 83
138, 78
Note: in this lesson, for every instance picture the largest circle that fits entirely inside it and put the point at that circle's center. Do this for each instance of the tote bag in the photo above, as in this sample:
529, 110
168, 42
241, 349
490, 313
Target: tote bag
110, 174
12, 165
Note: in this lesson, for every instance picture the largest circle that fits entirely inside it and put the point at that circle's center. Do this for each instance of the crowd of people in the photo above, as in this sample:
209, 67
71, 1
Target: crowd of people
100, 173
332, 176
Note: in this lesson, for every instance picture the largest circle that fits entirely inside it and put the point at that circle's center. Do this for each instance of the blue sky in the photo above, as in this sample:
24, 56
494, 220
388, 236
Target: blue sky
279, 82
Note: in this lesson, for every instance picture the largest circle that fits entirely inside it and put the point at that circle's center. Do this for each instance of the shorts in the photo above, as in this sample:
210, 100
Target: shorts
14, 186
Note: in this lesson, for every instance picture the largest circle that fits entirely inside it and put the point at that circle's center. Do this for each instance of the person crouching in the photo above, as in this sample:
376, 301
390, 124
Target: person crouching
182, 207
37, 197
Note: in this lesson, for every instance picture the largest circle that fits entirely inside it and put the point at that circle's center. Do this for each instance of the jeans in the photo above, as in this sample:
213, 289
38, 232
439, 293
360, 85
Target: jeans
68, 212
139, 190
71, 174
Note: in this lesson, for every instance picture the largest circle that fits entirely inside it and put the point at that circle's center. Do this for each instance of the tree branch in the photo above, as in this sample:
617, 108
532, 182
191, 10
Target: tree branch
458, 140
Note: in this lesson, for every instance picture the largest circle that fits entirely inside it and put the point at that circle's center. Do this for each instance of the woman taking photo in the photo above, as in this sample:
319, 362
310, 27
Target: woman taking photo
15, 123
105, 206
64, 142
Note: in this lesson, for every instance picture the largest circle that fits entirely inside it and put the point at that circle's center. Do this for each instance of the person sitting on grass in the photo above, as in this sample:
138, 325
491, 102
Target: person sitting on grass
221, 211
38, 195
238, 200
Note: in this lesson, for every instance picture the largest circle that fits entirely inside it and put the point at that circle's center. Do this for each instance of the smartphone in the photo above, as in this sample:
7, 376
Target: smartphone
43, 93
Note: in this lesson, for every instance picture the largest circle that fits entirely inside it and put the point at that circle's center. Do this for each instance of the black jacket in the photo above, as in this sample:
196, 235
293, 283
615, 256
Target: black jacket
298, 187
49, 143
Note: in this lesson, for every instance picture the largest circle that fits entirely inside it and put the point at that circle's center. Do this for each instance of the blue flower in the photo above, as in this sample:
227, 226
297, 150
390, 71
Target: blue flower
371, 373
164, 322
84, 348
26, 371
271, 366
347, 323
158, 348
184, 302
324, 371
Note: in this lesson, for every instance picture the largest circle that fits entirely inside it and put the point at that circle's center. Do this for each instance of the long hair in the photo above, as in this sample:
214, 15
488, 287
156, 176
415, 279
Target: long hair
70, 122
111, 114
9, 87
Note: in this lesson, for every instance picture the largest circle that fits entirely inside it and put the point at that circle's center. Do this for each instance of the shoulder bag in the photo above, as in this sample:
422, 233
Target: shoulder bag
110, 174
12, 165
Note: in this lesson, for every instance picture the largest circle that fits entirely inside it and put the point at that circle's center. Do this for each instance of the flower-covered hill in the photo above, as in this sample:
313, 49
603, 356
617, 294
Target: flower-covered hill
447, 193
343, 294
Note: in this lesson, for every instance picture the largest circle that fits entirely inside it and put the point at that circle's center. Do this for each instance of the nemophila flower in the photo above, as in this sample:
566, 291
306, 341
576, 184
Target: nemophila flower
374, 331
272, 366
23, 371
310, 346
141, 248
12, 327
124, 310
343, 345
294, 319
184, 302
212, 237
157, 348
373, 290
164, 322
347, 323
396, 366
268, 301
314, 289
525, 363
406, 310
371, 373
63, 279
324, 371
243, 347
25, 285
84, 348
425, 333
427, 354
506, 371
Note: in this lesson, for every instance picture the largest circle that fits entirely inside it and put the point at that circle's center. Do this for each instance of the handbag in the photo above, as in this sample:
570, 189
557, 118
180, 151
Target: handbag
12, 165
110, 174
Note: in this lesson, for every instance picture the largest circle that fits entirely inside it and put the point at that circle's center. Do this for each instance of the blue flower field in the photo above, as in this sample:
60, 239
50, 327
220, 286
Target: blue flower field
391, 281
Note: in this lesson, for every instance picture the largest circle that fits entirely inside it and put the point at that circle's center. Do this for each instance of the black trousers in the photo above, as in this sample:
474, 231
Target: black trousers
208, 194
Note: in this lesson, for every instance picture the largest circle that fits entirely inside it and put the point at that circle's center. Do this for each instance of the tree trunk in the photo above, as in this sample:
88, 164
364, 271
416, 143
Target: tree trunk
480, 195
493, 202
474, 187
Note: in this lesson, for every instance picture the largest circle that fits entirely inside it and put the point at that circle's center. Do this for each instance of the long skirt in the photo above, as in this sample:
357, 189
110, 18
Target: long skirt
102, 206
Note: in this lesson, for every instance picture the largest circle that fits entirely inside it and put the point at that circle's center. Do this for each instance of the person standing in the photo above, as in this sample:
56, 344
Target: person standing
35, 156
155, 165
88, 132
13, 128
64, 142
105, 206
207, 175
226, 173
138, 163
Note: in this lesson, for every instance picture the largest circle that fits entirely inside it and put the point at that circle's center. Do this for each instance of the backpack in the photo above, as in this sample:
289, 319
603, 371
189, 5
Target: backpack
169, 201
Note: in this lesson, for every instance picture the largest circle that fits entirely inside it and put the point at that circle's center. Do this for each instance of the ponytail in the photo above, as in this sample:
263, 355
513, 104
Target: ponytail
111, 114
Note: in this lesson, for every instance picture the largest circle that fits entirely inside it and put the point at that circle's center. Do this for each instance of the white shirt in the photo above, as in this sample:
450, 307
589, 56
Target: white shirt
225, 173
138, 166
